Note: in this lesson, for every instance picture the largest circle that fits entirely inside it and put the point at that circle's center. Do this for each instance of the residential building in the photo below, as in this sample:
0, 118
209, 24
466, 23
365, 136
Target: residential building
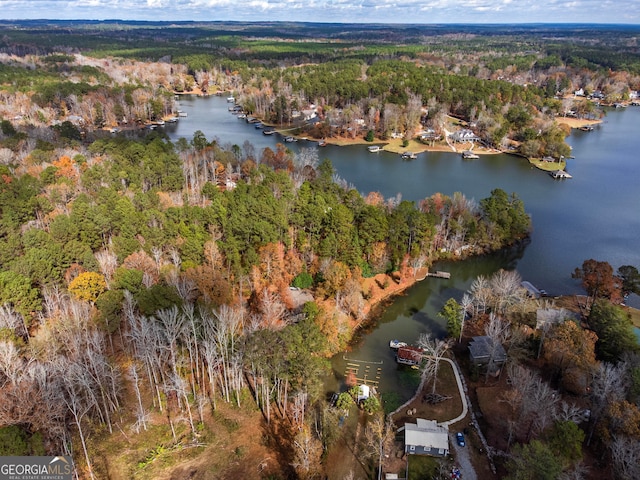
426, 437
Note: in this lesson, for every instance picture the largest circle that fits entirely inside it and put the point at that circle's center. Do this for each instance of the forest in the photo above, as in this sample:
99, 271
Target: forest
163, 292
137, 248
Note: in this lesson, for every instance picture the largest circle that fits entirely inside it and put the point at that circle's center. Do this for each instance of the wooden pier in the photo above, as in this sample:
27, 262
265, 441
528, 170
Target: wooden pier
439, 274
367, 373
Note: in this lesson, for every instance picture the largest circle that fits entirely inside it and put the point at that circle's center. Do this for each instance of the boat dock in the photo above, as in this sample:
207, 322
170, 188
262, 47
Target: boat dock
560, 174
439, 274
367, 373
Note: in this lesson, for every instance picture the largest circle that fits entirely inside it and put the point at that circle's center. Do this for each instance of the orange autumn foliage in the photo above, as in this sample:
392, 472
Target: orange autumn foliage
66, 167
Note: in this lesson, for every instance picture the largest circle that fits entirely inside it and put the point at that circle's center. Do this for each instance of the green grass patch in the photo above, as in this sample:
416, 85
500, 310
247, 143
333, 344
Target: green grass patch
421, 467
390, 402
548, 166
634, 314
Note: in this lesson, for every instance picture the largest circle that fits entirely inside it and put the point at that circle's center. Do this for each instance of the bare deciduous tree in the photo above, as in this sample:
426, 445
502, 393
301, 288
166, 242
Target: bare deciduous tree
568, 412
608, 386
171, 321
532, 400
506, 288
434, 351
141, 414
307, 452
108, 262
79, 404
625, 453
480, 292
13, 320
579, 472
378, 438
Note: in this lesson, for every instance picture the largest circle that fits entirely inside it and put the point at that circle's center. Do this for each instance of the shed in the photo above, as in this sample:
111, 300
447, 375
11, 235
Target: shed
482, 350
426, 437
364, 392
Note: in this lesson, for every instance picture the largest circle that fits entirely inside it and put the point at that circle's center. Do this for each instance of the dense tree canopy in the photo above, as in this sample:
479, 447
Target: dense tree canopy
614, 329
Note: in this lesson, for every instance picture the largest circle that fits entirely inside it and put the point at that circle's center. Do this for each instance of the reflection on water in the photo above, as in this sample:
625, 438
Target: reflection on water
411, 314
593, 215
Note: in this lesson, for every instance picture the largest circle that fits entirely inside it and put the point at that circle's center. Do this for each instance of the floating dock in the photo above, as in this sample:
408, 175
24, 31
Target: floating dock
367, 373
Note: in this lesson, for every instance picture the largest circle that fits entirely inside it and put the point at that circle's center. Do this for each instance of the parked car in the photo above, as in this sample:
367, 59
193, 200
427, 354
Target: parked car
460, 439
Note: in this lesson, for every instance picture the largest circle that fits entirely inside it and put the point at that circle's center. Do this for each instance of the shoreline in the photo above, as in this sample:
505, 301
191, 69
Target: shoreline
414, 146
576, 123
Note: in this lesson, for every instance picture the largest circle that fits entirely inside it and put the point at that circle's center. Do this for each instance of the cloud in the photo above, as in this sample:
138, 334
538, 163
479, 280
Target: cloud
379, 11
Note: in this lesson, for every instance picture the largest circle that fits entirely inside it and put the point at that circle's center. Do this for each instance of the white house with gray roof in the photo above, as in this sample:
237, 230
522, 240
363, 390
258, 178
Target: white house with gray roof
426, 437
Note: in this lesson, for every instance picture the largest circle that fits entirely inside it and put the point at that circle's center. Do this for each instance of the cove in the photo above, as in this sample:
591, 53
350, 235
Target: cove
593, 215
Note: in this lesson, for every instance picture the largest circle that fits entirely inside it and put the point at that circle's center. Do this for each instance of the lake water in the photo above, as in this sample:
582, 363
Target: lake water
596, 214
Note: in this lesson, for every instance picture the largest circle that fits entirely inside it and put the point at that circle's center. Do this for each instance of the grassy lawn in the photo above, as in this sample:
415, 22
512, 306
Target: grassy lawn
446, 385
421, 467
548, 166
635, 316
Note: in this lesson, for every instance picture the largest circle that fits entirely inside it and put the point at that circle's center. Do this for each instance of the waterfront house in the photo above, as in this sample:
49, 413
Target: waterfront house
483, 351
426, 437
429, 135
464, 135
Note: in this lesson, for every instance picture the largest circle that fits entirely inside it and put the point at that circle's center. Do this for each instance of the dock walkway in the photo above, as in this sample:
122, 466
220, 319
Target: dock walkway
439, 274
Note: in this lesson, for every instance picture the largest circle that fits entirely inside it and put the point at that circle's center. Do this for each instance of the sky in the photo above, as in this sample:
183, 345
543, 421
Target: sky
340, 11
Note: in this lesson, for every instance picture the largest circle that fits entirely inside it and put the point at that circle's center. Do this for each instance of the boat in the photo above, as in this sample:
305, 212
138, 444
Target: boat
409, 156
268, 131
396, 344
468, 154
322, 143
242, 115
586, 128
160, 123
231, 100
374, 148
258, 125
182, 114
290, 139
172, 119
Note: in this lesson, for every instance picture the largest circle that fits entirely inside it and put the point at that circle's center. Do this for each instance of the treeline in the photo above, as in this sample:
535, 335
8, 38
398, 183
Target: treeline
125, 196
385, 87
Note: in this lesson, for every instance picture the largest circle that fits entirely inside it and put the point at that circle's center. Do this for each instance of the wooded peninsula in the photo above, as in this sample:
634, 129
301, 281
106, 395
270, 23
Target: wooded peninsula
168, 309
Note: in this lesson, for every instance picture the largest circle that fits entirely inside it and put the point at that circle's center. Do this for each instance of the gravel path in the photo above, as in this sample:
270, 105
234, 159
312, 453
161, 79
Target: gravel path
463, 461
